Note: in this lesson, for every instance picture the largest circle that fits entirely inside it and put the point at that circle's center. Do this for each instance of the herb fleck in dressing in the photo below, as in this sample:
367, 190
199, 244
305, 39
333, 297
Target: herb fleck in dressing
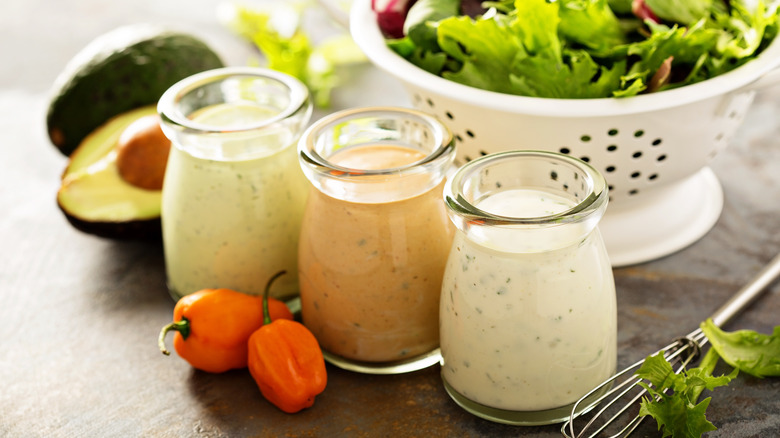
523, 327
233, 221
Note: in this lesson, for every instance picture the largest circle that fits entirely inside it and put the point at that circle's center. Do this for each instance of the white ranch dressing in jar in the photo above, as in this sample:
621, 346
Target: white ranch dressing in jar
528, 313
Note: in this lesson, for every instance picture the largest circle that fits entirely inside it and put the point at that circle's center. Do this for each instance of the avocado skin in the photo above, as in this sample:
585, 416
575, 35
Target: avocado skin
141, 229
129, 67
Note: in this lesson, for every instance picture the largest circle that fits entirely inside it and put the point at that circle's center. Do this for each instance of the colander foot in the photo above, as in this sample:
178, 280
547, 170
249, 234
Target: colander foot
662, 222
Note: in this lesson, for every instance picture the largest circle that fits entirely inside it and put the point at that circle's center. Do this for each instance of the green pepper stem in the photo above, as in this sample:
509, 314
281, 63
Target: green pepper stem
182, 326
266, 313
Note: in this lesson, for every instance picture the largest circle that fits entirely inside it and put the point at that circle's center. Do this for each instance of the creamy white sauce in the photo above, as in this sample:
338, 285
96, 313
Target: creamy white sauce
524, 328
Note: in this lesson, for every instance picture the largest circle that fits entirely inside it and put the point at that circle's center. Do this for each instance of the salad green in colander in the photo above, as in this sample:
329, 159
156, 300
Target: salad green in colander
579, 48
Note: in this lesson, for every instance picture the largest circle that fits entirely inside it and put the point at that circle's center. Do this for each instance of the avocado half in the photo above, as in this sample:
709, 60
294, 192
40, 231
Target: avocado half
126, 68
94, 197
113, 81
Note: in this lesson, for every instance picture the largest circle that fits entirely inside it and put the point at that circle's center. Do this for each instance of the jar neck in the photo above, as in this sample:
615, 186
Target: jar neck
526, 201
235, 114
376, 155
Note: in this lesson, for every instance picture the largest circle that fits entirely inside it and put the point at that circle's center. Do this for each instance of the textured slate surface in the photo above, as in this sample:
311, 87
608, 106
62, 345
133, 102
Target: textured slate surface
79, 315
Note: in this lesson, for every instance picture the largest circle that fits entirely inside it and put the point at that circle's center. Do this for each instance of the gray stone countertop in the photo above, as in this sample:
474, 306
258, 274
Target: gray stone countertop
79, 315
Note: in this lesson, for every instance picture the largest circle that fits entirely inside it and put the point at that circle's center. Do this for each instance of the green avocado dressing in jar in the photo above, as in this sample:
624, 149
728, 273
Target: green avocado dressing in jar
234, 193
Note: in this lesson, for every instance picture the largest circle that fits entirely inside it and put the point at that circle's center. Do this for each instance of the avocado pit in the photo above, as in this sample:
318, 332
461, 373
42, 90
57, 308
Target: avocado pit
142, 153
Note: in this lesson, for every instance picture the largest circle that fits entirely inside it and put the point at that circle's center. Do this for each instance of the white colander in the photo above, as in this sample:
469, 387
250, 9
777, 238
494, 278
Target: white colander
653, 149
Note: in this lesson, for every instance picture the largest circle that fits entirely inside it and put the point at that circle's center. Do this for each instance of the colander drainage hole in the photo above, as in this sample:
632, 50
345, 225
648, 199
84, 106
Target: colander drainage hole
610, 169
449, 115
612, 148
637, 154
564, 151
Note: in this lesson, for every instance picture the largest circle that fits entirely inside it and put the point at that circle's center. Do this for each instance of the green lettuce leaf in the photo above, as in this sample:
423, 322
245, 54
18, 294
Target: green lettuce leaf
485, 49
523, 54
279, 35
682, 12
672, 399
590, 23
421, 21
591, 48
751, 352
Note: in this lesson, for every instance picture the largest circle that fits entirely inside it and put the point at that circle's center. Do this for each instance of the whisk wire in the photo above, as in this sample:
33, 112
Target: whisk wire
681, 352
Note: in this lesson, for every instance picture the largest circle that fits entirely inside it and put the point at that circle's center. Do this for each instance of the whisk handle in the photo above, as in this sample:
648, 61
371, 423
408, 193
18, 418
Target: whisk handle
748, 293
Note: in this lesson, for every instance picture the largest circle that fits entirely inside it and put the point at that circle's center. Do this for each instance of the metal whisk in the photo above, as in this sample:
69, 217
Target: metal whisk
679, 353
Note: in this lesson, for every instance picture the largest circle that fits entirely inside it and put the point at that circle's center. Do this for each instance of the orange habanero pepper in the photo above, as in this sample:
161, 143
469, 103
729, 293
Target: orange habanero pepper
213, 325
287, 363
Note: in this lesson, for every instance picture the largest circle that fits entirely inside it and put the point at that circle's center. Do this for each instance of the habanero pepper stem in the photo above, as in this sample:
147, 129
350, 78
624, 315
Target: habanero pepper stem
266, 312
286, 362
182, 326
212, 327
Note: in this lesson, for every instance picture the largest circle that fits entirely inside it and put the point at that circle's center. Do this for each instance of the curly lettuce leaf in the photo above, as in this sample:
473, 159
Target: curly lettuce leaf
484, 48
592, 48
743, 29
523, 54
590, 23
672, 399
578, 77
682, 12
753, 353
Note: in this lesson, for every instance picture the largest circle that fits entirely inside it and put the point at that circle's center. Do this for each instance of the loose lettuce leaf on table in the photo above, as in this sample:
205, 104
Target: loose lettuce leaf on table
753, 353
673, 398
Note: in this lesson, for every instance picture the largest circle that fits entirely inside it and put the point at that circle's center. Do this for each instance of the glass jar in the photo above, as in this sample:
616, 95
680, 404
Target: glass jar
233, 194
375, 237
528, 310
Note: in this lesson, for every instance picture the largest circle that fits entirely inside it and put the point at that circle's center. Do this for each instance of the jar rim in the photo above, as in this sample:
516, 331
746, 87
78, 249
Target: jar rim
167, 105
594, 202
443, 138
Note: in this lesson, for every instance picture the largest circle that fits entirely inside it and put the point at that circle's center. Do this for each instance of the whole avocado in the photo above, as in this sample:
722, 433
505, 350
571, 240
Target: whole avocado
126, 68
